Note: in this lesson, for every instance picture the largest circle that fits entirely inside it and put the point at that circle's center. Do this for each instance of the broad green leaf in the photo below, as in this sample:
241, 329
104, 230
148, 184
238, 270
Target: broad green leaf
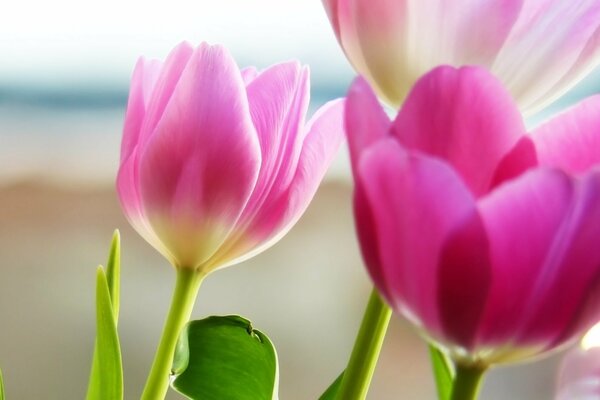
1, 386
331, 392
225, 358
442, 372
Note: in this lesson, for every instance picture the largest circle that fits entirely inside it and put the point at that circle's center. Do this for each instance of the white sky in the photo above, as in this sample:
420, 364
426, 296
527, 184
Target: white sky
59, 40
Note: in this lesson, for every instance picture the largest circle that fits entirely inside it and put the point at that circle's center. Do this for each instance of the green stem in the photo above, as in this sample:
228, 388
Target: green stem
358, 374
184, 296
467, 382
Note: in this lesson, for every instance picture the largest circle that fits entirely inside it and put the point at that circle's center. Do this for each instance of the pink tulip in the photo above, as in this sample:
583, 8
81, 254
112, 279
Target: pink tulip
538, 48
217, 164
485, 238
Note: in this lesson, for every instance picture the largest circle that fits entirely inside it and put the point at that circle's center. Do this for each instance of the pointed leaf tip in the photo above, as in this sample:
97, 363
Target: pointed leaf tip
106, 380
113, 273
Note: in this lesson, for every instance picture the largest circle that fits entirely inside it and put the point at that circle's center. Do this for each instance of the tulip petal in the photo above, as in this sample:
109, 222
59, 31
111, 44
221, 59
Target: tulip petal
551, 45
164, 87
143, 81
278, 99
416, 202
202, 162
365, 120
365, 123
284, 206
248, 74
571, 141
463, 116
543, 230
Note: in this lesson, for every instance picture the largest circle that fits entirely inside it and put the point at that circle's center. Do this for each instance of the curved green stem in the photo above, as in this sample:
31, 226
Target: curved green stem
358, 374
184, 296
467, 382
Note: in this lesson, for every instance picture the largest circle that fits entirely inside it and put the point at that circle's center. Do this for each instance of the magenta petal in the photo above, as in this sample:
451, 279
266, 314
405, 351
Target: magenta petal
571, 141
201, 164
465, 278
416, 202
365, 119
488, 127
543, 230
522, 157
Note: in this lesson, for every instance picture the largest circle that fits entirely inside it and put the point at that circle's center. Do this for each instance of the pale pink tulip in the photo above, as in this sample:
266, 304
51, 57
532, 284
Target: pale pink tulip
484, 237
217, 164
538, 48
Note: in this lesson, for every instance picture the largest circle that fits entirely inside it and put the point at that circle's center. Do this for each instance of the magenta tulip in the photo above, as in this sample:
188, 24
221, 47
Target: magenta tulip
538, 48
484, 237
217, 164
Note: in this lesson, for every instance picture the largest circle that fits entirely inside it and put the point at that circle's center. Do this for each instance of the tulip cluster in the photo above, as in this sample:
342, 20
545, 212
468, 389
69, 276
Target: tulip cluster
481, 234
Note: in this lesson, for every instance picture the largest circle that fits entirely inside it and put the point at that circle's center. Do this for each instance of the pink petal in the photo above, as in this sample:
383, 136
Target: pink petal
365, 124
416, 202
278, 100
522, 157
331, 9
551, 45
200, 166
571, 141
463, 116
464, 281
248, 74
143, 81
543, 230
285, 205
164, 87
365, 120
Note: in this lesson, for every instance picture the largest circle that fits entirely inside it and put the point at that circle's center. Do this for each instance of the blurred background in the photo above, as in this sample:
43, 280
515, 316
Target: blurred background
64, 75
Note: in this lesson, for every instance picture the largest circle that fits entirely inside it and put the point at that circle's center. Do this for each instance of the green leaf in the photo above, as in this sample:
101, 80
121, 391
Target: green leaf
225, 358
113, 273
1, 387
106, 378
332, 390
442, 372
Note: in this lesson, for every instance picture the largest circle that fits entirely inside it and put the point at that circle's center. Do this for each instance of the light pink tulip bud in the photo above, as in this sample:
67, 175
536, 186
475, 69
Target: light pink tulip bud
538, 48
217, 164
482, 235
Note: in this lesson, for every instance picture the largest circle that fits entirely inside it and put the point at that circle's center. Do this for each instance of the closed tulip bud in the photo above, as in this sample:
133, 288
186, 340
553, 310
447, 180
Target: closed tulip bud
217, 164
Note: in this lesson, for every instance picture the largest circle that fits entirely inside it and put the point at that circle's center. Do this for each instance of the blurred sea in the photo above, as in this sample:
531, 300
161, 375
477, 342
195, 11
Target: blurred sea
72, 135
